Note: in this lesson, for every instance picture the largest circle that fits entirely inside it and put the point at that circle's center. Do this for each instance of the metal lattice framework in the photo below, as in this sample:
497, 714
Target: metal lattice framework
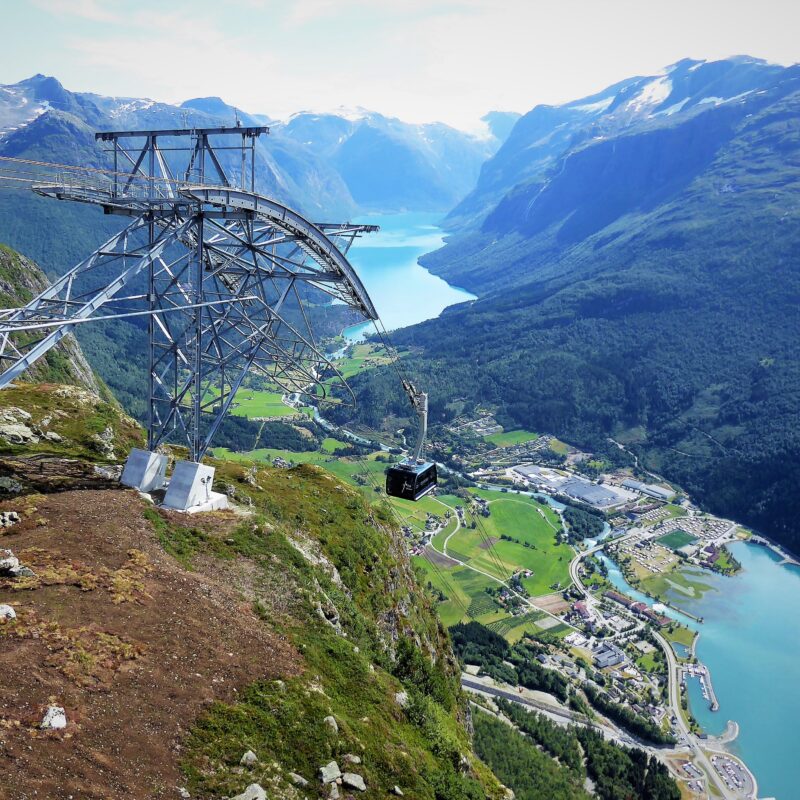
225, 278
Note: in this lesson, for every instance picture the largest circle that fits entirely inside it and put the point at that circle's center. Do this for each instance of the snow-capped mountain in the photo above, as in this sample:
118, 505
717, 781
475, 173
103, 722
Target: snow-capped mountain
542, 136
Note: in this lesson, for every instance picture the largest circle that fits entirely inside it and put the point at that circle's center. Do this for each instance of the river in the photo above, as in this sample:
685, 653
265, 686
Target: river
403, 292
750, 641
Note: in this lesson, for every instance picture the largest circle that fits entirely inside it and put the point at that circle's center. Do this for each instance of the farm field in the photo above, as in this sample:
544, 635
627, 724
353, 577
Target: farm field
467, 600
676, 539
524, 520
329, 444
510, 438
255, 403
364, 356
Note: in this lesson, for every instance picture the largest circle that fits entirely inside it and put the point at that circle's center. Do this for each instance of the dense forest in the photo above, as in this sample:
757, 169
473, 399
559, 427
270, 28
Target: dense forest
616, 771
515, 664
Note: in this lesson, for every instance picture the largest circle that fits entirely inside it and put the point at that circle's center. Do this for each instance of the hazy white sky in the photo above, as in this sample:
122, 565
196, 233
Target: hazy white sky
419, 60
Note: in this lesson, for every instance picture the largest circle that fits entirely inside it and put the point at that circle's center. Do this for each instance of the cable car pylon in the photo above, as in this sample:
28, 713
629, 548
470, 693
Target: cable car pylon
224, 276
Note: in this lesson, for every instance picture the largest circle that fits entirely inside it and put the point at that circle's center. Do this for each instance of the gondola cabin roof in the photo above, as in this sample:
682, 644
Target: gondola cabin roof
411, 481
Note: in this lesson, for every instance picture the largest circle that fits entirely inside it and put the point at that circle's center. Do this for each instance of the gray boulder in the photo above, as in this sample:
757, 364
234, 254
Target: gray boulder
332, 723
298, 780
249, 759
55, 719
353, 781
6, 612
253, 792
8, 561
352, 759
398, 791
17, 433
330, 772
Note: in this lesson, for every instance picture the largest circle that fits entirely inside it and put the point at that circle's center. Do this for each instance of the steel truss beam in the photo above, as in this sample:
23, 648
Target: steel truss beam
227, 275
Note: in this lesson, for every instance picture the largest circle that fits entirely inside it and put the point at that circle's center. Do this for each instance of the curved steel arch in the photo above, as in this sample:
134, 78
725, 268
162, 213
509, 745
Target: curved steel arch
313, 240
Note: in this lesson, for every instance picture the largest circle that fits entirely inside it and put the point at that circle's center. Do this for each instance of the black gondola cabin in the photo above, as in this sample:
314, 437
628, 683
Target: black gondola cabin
410, 481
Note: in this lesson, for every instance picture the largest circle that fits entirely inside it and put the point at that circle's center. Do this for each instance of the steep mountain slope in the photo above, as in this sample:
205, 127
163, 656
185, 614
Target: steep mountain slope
546, 133
176, 644
647, 288
20, 281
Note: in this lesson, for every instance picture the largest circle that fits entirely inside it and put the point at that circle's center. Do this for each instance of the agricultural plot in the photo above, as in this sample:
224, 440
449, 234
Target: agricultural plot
329, 444
461, 587
533, 526
255, 404
364, 356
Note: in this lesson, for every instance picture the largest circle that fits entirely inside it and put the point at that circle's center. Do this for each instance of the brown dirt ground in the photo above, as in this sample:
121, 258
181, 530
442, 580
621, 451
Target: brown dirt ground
435, 557
488, 543
130, 643
554, 603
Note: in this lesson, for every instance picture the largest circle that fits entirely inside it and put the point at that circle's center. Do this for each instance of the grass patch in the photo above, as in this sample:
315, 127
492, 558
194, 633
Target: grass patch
676, 539
511, 438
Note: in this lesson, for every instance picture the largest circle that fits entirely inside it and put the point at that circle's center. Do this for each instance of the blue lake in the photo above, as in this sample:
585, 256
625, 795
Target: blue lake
750, 641
403, 292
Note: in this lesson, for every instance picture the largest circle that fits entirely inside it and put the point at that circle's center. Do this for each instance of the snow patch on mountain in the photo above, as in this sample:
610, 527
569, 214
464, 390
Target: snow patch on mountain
595, 108
653, 94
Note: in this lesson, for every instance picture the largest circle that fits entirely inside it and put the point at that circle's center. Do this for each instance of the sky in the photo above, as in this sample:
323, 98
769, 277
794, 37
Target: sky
419, 60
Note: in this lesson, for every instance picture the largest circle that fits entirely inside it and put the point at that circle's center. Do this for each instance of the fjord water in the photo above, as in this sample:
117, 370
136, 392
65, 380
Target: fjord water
403, 292
750, 641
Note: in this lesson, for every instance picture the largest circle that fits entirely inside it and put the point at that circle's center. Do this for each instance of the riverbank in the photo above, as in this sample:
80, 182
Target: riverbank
751, 646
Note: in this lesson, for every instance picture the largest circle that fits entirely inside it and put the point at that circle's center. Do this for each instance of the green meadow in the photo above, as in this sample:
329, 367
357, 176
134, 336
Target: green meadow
510, 438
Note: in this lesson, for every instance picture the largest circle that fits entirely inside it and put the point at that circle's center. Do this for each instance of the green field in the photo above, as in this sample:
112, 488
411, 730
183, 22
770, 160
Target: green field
676, 584
467, 600
524, 519
254, 403
329, 444
510, 438
364, 356
678, 633
676, 539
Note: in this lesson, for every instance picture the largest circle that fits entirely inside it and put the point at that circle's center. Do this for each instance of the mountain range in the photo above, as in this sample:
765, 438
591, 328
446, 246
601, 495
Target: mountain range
635, 254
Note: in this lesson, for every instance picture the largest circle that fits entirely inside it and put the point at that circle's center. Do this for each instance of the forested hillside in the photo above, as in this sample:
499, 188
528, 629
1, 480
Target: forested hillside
646, 289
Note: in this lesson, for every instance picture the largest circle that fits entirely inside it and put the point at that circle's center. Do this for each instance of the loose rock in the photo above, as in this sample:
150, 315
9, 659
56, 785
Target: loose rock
183, 792
249, 759
401, 698
55, 719
330, 772
8, 518
333, 793
8, 562
352, 759
353, 781
6, 612
17, 433
331, 723
253, 792
398, 791
297, 780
